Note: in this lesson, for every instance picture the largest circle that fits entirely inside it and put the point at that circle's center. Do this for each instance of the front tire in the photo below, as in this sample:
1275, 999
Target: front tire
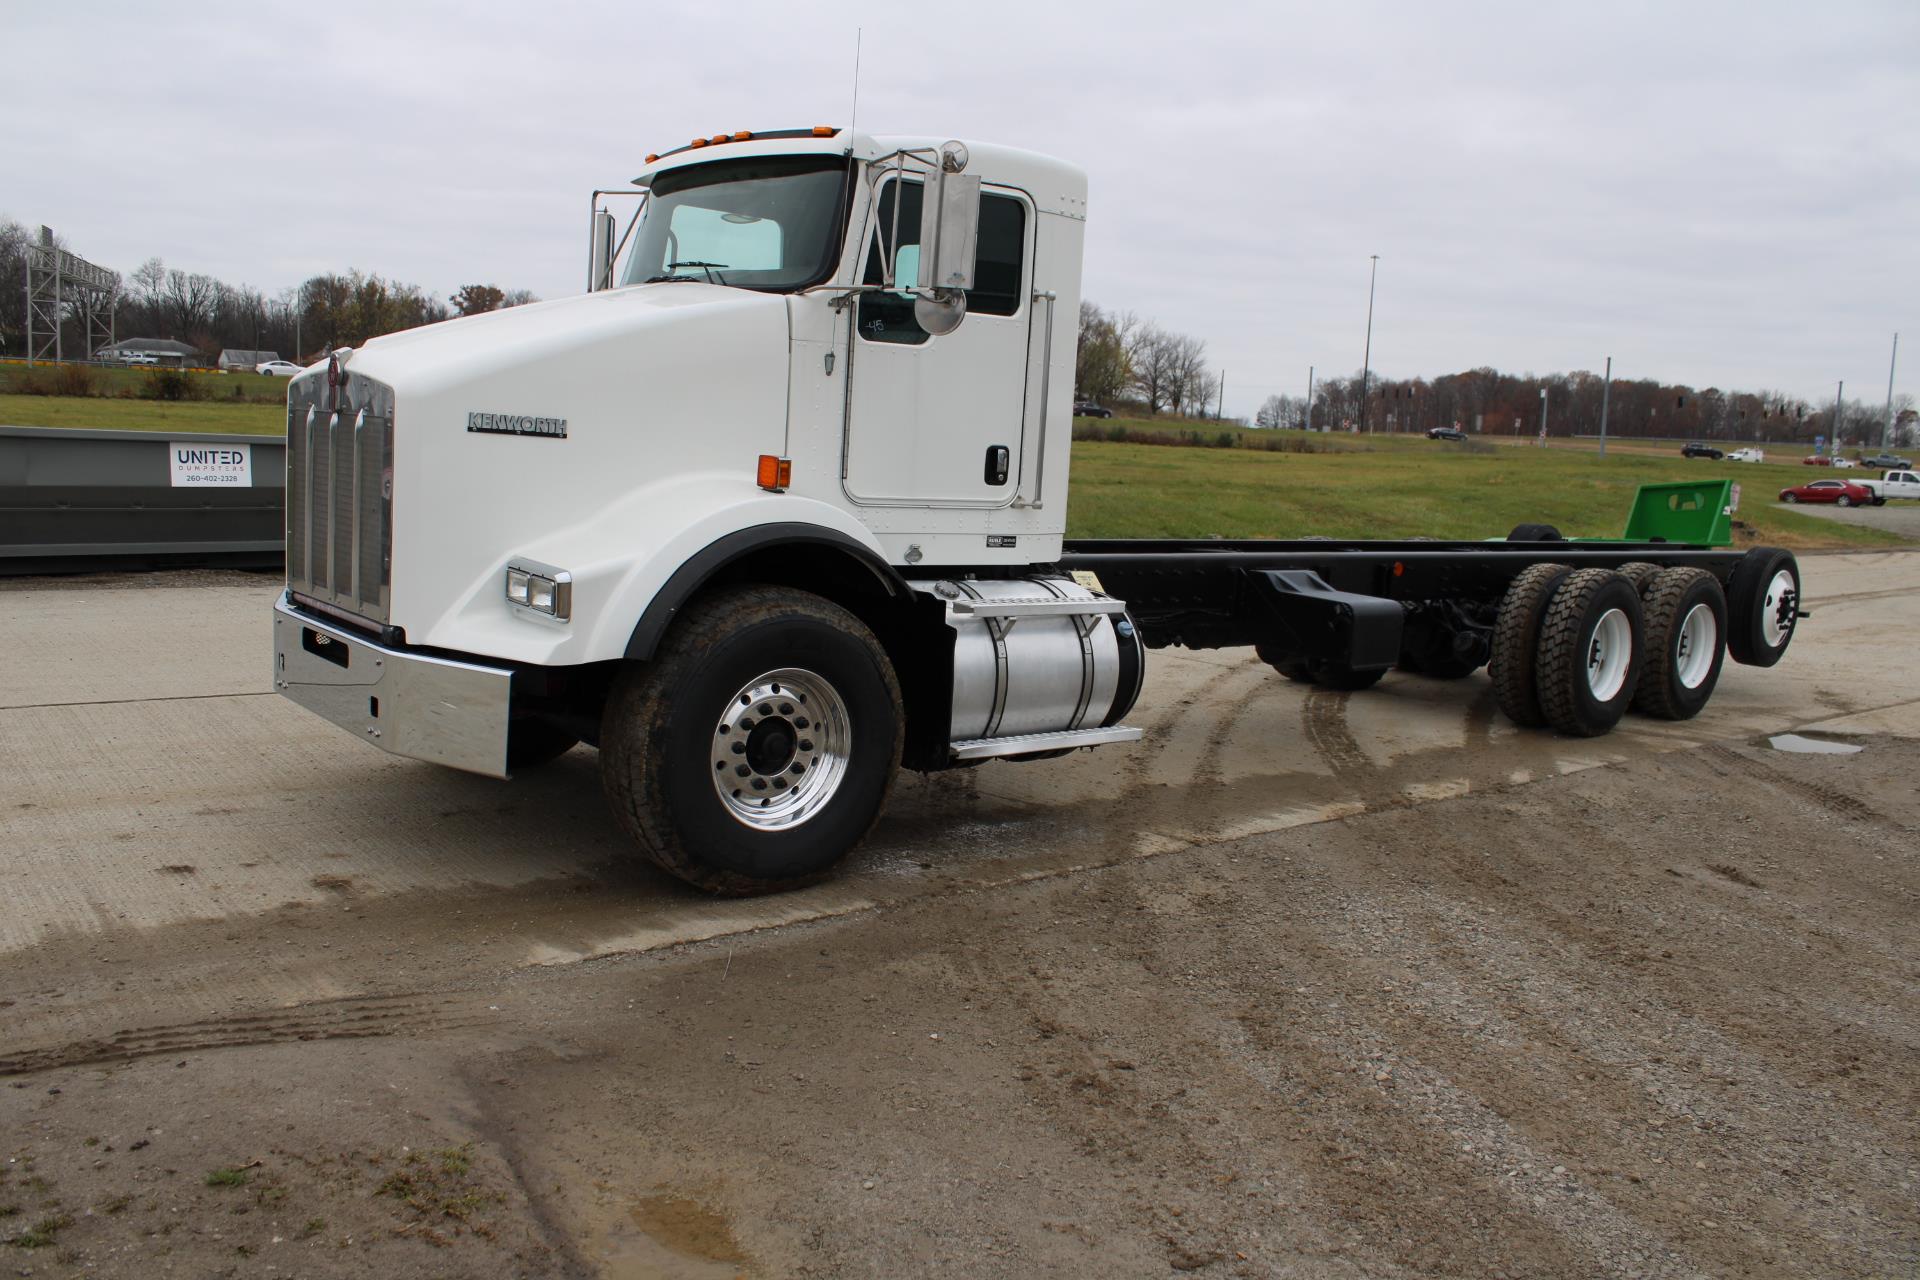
1789, 498
758, 746
1763, 606
1516, 635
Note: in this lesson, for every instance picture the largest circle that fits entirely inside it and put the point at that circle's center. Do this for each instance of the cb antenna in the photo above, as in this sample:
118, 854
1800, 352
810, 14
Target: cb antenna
854, 115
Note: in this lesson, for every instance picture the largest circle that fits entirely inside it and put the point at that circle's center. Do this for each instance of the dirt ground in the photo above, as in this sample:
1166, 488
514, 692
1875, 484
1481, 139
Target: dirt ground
1504, 1034
1305, 984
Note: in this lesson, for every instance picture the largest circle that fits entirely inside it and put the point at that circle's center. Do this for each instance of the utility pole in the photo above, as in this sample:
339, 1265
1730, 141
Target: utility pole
1606, 392
1220, 405
1833, 445
1886, 439
1366, 360
1543, 417
1308, 416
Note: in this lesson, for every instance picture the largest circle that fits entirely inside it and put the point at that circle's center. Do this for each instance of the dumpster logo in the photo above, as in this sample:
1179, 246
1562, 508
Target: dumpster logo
517, 424
197, 465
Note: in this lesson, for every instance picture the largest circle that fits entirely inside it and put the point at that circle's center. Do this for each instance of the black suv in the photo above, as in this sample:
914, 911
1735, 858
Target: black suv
1694, 449
1084, 409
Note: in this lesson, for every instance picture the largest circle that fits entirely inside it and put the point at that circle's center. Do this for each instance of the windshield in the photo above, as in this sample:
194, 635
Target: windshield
768, 223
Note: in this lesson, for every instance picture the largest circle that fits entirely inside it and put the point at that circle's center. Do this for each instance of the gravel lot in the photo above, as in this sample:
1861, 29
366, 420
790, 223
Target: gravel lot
1308, 985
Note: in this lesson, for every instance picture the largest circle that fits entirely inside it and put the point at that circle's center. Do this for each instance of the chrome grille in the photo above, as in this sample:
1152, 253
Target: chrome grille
340, 499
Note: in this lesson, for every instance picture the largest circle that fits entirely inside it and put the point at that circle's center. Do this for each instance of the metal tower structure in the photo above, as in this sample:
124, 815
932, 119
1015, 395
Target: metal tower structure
56, 280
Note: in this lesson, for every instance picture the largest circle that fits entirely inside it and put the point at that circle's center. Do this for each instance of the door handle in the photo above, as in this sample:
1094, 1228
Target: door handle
999, 461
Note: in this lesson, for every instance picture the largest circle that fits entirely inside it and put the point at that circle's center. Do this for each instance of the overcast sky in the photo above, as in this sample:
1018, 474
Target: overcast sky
1723, 194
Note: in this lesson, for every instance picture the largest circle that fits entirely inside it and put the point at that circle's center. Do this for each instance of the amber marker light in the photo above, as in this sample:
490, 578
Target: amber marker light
1398, 569
651, 158
719, 138
698, 142
774, 473
824, 131
745, 135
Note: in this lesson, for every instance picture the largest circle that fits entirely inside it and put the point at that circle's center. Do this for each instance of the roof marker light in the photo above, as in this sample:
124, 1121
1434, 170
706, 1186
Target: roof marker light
652, 157
744, 135
698, 142
824, 131
719, 138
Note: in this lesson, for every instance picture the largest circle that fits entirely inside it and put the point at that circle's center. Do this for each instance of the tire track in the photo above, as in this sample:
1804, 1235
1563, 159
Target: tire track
1323, 722
347, 1018
1826, 797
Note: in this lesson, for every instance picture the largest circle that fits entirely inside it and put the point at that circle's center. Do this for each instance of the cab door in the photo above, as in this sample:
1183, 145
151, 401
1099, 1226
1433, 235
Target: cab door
938, 419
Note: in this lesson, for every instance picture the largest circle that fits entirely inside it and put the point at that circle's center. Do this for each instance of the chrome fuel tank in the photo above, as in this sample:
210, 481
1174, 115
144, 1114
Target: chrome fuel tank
1037, 655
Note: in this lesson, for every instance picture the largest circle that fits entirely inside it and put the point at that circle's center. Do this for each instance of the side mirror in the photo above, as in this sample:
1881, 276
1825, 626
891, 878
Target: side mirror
600, 258
949, 223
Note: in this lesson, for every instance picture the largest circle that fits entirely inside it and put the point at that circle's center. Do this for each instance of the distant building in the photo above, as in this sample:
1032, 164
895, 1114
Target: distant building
245, 359
163, 351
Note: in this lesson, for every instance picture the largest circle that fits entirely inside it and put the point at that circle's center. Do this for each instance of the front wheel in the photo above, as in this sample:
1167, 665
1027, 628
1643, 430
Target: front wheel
757, 748
1789, 498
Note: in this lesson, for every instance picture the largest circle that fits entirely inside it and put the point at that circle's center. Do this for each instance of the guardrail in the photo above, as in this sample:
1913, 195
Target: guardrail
85, 500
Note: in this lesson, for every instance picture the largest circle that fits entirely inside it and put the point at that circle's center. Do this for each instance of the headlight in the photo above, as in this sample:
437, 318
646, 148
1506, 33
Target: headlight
540, 590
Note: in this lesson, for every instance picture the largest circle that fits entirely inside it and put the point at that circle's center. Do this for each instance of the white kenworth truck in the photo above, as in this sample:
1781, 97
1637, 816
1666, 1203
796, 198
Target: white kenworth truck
777, 507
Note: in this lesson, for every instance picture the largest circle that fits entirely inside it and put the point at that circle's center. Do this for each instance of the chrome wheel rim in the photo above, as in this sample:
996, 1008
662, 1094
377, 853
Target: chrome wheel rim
780, 748
1695, 646
1777, 614
1609, 653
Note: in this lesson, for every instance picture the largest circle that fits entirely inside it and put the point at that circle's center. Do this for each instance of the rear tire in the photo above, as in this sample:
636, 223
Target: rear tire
1686, 619
783, 693
1640, 573
1535, 533
1346, 679
1516, 634
1763, 606
1288, 664
1589, 657
1843, 501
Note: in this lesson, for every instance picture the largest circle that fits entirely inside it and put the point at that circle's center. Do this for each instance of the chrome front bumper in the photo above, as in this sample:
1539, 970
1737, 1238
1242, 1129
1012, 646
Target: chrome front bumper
436, 709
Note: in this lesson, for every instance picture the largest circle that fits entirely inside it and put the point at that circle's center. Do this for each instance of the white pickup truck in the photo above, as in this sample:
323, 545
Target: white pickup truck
1893, 484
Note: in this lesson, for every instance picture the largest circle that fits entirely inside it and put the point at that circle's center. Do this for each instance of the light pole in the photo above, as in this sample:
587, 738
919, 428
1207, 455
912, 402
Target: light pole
1886, 440
1366, 360
1543, 417
1606, 394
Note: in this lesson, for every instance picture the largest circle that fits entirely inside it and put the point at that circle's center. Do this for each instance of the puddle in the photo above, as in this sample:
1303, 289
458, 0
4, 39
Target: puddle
1808, 745
677, 1239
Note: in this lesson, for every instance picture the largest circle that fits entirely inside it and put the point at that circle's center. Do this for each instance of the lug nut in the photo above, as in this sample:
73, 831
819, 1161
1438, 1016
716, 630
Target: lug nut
759, 784
800, 722
739, 748
786, 708
741, 771
806, 744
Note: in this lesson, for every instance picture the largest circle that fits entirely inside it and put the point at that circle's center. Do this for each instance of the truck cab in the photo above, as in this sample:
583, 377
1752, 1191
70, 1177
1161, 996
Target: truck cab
832, 367
1893, 484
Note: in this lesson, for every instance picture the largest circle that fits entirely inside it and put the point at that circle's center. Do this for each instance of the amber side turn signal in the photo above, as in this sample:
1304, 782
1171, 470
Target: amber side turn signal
774, 473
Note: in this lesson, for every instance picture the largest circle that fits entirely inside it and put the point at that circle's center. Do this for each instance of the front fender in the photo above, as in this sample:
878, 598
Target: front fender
621, 558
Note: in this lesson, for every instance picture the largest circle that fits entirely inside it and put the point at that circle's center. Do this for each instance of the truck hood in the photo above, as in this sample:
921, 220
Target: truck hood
429, 357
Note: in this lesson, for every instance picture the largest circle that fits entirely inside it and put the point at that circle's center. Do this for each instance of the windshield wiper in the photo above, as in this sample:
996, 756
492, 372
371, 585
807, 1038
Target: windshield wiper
708, 267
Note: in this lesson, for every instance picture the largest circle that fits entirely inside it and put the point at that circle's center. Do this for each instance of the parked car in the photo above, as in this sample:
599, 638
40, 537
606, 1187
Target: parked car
1816, 460
1087, 409
1747, 455
277, 368
1887, 462
138, 357
1445, 433
1841, 493
1694, 449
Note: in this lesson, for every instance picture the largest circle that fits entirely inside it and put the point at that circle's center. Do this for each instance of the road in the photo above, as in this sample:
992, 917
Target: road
198, 871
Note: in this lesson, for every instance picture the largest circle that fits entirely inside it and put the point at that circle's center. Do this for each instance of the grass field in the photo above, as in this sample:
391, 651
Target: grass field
1375, 487
1404, 487
106, 414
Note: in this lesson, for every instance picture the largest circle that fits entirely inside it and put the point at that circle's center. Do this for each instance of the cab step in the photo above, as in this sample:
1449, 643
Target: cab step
1021, 744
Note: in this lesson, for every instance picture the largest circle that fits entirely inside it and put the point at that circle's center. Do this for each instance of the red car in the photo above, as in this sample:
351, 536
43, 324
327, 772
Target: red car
1817, 460
1842, 493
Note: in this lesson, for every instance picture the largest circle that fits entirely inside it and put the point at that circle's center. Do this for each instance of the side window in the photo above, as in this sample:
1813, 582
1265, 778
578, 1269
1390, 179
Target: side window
999, 258
999, 265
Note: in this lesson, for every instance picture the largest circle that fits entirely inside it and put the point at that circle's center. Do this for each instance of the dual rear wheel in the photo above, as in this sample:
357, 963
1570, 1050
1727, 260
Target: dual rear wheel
1574, 649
